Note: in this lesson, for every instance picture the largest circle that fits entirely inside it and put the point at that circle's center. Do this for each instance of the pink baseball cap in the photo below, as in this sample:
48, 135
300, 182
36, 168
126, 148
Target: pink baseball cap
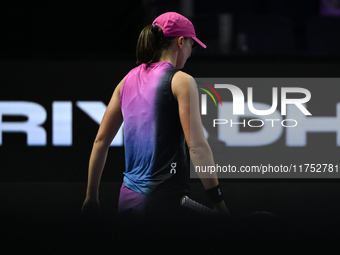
174, 24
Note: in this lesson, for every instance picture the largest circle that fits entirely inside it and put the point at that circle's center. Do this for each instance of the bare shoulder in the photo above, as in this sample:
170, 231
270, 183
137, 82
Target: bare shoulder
181, 78
117, 90
182, 83
120, 85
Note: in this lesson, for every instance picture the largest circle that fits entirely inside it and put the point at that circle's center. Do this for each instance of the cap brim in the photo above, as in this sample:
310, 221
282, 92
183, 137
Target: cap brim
199, 42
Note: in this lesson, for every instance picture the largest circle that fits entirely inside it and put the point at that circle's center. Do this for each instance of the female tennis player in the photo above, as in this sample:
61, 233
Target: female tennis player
154, 102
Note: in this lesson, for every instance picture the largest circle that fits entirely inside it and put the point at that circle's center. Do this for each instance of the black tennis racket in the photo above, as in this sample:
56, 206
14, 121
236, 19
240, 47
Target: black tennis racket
189, 203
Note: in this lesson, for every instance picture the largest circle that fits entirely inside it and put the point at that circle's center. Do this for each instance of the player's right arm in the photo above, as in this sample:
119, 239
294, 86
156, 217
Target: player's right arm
110, 124
185, 91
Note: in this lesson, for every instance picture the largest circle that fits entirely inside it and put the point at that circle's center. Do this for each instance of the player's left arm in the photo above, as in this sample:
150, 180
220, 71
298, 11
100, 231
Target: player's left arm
185, 91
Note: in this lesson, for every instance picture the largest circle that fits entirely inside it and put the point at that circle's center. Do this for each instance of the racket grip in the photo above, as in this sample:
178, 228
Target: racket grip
189, 203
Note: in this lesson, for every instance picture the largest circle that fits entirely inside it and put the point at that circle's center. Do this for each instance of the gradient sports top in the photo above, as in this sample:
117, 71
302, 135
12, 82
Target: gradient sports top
156, 155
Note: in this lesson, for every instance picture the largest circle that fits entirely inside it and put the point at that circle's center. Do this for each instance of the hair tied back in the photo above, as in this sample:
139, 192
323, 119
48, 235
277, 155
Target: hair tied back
153, 28
156, 30
151, 42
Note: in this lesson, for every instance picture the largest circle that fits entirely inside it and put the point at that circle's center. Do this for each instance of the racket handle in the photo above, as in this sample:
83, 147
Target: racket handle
189, 203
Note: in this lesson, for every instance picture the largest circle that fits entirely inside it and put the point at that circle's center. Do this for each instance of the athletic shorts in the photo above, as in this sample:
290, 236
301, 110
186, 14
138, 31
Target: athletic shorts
136, 204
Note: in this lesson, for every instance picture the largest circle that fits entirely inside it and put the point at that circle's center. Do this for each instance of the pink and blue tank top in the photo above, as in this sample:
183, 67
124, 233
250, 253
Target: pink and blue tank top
156, 155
